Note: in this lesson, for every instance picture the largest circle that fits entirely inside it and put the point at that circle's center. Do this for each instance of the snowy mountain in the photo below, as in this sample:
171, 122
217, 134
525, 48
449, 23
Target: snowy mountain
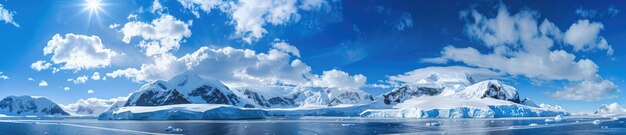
186, 88
613, 108
456, 95
431, 85
438, 95
490, 89
91, 106
29, 105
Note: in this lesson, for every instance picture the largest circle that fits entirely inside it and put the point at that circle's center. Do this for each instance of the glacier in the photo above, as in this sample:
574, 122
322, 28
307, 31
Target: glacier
183, 112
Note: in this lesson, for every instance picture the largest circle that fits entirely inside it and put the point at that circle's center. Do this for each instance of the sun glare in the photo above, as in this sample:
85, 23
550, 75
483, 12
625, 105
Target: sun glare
93, 5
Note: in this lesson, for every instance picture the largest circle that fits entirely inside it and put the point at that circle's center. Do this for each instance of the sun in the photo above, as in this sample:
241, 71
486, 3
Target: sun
93, 5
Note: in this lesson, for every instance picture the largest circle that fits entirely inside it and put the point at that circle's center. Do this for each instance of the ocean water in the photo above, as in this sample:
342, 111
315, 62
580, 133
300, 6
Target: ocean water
318, 125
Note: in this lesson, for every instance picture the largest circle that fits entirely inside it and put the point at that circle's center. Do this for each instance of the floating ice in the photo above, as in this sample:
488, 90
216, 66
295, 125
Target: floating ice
558, 118
532, 124
345, 125
596, 122
172, 129
614, 118
549, 120
437, 123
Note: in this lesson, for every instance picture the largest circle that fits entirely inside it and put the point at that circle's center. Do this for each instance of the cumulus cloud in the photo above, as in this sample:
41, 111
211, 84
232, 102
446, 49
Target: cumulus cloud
338, 79
114, 25
80, 79
521, 45
587, 91
76, 52
160, 36
584, 35
66, 88
90, 91
43, 83
241, 68
156, 7
282, 46
7, 16
95, 76
40, 65
250, 16
31, 79
2, 76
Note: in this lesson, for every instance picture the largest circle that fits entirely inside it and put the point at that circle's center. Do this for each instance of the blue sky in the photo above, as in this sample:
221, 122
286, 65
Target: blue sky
343, 40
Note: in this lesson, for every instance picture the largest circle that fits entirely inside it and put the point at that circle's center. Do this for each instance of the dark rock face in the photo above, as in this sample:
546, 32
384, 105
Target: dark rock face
158, 98
402, 93
29, 106
214, 96
497, 92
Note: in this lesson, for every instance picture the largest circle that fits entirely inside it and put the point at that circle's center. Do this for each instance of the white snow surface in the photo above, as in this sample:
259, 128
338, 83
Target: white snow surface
29, 106
613, 108
450, 107
183, 112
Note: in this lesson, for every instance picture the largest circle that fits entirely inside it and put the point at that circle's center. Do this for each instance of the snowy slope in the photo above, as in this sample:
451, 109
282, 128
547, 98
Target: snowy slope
450, 107
439, 83
185, 88
613, 108
183, 112
489, 89
29, 106
91, 106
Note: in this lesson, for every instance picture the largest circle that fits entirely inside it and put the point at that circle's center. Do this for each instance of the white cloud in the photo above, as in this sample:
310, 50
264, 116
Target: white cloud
160, 36
587, 91
76, 52
521, 46
95, 76
2, 76
43, 83
40, 65
241, 68
66, 88
338, 79
250, 16
132, 17
31, 79
7, 16
80, 79
90, 91
282, 46
584, 35
413, 77
556, 65
114, 25
156, 7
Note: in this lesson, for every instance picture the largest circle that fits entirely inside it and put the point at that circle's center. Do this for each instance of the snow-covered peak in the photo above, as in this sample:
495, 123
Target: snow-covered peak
29, 105
613, 108
185, 88
490, 89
